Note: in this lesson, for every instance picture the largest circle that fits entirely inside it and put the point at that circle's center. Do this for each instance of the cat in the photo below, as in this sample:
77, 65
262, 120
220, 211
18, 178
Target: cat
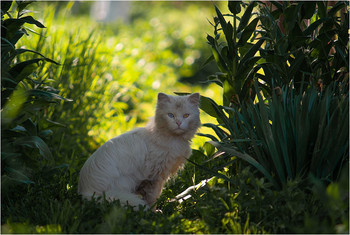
134, 166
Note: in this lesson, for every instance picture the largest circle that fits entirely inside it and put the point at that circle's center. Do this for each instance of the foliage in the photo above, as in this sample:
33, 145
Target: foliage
306, 43
25, 97
245, 205
309, 45
235, 56
113, 73
294, 133
287, 137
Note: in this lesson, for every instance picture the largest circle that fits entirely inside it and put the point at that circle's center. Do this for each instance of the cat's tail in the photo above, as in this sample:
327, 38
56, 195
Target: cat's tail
125, 198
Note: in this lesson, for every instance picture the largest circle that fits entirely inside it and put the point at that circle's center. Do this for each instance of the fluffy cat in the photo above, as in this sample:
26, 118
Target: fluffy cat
134, 166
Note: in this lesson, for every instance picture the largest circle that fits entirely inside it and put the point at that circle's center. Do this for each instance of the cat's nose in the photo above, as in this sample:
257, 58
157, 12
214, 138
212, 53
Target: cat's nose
178, 123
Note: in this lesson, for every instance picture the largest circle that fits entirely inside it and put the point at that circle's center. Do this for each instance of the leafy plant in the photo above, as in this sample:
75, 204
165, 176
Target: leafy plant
299, 43
306, 43
24, 100
287, 137
235, 56
283, 136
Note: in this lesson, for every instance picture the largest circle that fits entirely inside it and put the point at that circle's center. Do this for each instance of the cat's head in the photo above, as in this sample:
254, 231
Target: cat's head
178, 115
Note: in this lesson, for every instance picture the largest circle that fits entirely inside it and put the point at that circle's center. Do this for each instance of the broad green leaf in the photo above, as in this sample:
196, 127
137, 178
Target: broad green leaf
30, 126
206, 104
23, 69
29, 20
35, 142
17, 175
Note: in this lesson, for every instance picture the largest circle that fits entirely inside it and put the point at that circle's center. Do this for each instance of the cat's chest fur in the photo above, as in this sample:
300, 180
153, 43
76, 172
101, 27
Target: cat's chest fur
165, 155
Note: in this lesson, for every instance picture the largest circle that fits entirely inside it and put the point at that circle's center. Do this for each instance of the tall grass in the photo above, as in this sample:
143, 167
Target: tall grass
113, 77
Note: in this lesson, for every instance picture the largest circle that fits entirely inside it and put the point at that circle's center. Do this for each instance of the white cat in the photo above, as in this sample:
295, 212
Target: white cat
134, 166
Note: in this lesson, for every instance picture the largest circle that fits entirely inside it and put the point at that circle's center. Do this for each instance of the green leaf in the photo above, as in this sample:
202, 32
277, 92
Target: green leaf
269, 138
30, 126
35, 142
295, 66
252, 51
30, 20
208, 136
215, 173
232, 151
211, 40
6, 43
22, 5
337, 7
308, 9
21, 50
221, 19
210, 59
321, 9
23, 69
6, 155
219, 60
17, 176
218, 131
13, 105
206, 104
52, 123
5, 6
314, 26
247, 32
246, 16
46, 94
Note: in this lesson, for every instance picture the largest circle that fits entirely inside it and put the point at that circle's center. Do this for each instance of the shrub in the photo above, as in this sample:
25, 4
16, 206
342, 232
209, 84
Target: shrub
295, 132
288, 137
25, 98
306, 43
235, 56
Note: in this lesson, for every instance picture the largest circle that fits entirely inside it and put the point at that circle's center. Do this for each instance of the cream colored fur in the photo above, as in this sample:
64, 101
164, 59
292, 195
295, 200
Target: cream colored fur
134, 166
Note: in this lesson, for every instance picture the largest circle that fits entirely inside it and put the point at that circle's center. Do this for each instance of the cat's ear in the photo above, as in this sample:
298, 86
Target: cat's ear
163, 98
194, 98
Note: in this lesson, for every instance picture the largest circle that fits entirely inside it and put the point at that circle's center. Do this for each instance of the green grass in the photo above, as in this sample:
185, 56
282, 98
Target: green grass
113, 74
248, 205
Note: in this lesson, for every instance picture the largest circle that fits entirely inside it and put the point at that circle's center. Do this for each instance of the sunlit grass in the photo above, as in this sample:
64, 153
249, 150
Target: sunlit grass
121, 73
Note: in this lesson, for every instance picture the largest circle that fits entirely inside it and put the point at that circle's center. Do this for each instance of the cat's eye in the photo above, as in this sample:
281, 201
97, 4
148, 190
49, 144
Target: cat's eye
186, 115
171, 115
